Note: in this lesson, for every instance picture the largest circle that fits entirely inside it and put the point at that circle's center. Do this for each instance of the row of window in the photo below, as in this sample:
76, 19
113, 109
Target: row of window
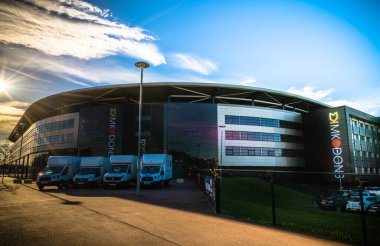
256, 121
358, 153
364, 125
367, 170
54, 126
55, 139
262, 136
366, 162
262, 151
365, 139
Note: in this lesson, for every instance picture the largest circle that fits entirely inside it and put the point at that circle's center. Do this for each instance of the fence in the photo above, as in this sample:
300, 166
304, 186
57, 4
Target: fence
312, 203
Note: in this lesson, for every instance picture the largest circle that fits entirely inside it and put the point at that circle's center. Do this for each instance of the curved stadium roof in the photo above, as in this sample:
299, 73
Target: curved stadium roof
71, 101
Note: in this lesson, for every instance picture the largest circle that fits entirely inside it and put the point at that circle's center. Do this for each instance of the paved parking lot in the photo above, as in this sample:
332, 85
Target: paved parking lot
178, 214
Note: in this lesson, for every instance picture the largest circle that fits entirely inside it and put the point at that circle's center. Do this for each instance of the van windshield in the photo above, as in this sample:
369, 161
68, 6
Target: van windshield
150, 169
120, 168
51, 170
90, 170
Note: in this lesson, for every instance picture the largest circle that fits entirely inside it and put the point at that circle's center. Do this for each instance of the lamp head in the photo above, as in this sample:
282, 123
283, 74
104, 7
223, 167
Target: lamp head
141, 64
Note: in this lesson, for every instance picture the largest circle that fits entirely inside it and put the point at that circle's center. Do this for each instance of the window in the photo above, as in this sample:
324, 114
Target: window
53, 126
262, 136
244, 151
255, 121
262, 151
233, 151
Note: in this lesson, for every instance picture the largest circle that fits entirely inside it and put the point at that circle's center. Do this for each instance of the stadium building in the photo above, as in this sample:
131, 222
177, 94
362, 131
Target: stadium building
201, 125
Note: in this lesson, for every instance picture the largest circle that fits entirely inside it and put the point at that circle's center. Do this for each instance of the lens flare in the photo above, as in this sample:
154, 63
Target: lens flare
3, 86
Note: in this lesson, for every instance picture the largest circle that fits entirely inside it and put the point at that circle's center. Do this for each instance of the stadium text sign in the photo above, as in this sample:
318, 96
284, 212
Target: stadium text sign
336, 145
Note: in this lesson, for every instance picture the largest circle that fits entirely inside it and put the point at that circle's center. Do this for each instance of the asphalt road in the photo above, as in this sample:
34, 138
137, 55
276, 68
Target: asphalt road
176, 215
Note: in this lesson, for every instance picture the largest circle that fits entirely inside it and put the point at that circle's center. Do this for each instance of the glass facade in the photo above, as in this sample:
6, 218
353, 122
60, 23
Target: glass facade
191, 134
54, 126
262, 151
47, 135
151, 128
256, 121
366, 145
262, 136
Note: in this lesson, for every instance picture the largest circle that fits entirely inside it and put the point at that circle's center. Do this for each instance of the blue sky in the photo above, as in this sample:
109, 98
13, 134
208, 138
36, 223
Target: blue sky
325, 50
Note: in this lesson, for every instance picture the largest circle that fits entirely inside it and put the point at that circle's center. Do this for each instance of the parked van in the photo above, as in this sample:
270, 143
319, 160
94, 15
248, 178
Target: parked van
59, 171
157, 169
123, 171
92, 170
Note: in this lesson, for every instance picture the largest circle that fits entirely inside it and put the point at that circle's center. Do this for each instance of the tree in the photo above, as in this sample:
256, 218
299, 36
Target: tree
4, 155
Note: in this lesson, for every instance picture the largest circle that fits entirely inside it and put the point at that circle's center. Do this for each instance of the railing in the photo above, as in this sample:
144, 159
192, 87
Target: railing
313, 203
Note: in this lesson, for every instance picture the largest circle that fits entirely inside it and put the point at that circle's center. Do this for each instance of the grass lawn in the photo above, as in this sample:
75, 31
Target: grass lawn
250, 198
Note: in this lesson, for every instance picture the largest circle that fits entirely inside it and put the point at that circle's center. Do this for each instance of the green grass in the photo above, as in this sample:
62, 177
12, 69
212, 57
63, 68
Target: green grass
250, 198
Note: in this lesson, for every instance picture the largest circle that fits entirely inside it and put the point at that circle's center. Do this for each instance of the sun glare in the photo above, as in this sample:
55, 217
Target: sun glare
3, 86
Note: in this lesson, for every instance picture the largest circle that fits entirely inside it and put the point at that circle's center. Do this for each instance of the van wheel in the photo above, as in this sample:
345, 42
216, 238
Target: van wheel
60, 186
105, 186
167, 182
40, 187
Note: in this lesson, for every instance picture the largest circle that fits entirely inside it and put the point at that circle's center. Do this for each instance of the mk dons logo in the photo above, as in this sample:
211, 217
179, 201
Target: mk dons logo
112, 131
336, 145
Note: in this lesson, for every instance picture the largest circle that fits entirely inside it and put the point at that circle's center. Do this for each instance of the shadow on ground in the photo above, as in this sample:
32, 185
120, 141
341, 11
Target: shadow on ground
185, 196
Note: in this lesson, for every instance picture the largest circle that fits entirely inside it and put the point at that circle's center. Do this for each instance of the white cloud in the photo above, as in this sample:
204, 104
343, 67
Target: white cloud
369, 104
193, 63
74, 71
73, 28
311, 92
14, 104
10, 113
248, 81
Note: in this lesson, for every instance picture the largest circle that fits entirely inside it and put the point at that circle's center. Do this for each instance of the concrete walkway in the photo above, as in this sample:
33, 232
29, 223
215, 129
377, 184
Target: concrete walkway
177, 215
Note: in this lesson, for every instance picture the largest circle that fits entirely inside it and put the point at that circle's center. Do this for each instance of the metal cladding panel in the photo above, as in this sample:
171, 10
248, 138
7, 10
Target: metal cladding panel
101, 130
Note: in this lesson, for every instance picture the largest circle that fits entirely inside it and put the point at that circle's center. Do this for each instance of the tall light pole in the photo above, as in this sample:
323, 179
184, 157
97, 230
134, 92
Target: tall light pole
142, 65
218, 179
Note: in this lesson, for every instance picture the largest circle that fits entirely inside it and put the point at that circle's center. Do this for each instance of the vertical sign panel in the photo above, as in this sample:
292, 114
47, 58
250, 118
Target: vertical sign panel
101, 130
339, 144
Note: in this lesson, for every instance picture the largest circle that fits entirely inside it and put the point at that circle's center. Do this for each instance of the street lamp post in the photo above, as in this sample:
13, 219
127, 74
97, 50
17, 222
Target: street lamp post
218, 180
142, 66
22, 125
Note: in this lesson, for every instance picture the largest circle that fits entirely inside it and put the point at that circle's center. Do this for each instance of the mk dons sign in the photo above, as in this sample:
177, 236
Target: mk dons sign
336, 145
112, 131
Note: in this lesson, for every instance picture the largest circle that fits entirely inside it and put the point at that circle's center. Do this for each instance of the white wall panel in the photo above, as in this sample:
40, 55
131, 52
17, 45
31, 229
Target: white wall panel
252, 111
